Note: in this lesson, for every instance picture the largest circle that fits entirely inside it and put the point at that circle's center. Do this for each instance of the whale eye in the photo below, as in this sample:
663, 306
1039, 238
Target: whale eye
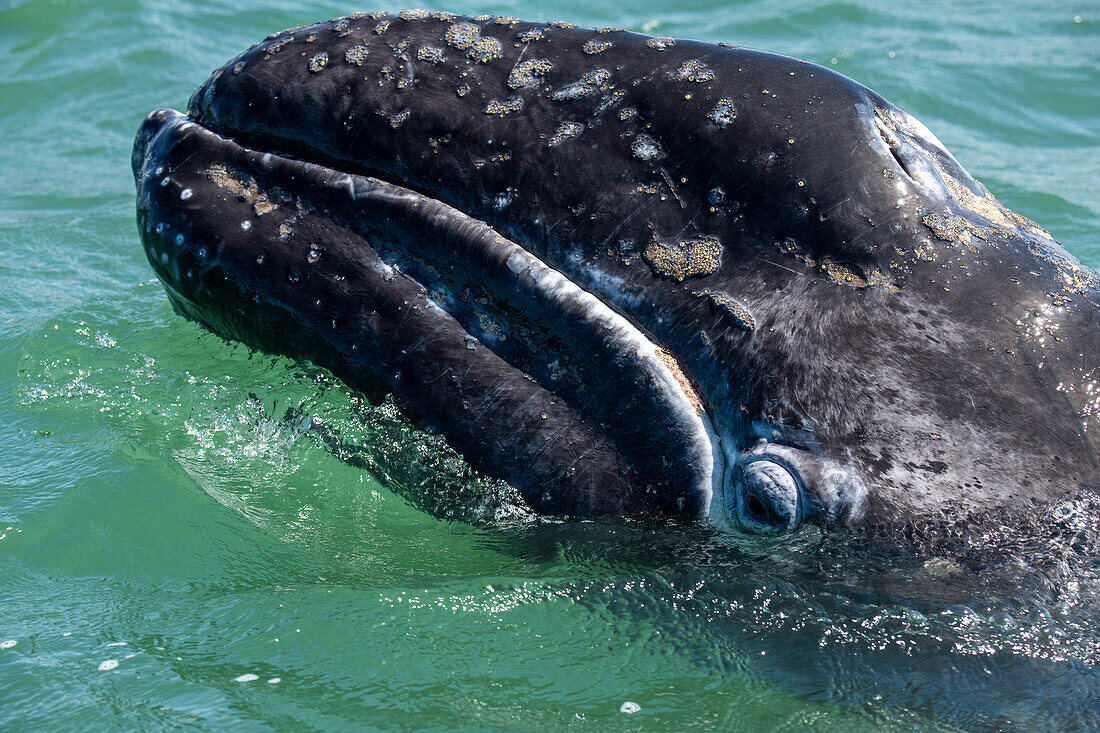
768, 496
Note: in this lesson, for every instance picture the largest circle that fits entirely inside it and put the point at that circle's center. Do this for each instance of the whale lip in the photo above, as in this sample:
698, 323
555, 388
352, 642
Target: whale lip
509, 266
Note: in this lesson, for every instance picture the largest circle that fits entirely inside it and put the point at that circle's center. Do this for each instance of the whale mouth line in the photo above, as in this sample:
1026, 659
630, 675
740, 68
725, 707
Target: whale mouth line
595, 353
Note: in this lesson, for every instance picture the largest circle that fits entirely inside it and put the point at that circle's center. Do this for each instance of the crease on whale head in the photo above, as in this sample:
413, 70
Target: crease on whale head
800, 268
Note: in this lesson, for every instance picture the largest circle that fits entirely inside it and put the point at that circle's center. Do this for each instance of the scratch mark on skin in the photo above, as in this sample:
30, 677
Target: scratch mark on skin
641, 205
782, 267
521, 409
668, 182
805, 412
427, 337
689, 225
442, 374
519, 58
490, 399
833, 208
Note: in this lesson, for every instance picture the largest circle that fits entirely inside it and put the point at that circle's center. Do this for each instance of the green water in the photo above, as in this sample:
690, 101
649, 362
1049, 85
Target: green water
171, 517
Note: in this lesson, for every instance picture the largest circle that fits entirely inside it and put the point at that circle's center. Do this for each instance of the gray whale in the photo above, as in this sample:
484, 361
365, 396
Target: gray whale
633, 275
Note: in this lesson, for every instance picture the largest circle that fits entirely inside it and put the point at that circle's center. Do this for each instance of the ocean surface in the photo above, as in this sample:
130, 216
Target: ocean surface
180, 546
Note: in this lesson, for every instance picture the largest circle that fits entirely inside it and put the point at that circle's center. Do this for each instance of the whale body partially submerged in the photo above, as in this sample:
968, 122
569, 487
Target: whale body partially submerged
633, 275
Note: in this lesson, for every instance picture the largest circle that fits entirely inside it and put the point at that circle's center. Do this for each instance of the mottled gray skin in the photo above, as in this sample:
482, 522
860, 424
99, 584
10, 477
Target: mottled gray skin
871, 335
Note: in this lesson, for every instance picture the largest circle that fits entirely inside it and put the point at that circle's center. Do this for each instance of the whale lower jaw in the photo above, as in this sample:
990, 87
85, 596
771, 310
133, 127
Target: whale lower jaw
534, 378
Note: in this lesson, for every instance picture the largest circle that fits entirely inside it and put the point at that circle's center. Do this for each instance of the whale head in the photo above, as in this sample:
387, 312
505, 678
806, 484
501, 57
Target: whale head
633, 275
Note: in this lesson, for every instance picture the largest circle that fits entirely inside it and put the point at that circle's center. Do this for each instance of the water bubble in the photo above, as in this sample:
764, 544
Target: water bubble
7, 644
108, 665
247, 677
629, 707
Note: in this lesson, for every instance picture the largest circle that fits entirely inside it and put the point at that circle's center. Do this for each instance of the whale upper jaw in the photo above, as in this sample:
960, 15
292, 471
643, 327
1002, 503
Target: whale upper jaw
236, 234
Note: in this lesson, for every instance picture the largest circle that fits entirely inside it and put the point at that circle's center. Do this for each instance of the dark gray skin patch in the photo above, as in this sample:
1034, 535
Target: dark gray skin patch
839, 220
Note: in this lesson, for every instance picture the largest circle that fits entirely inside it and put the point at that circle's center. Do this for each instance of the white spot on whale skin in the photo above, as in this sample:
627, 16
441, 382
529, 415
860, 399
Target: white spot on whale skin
692, 70
723, 113
501, 202
431, 55
467, 37
529, 73
186, 194
646, 148
565, 131
356, 55
318, 62
500, 109
592, 82
594, 47
7, 644
246, 225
